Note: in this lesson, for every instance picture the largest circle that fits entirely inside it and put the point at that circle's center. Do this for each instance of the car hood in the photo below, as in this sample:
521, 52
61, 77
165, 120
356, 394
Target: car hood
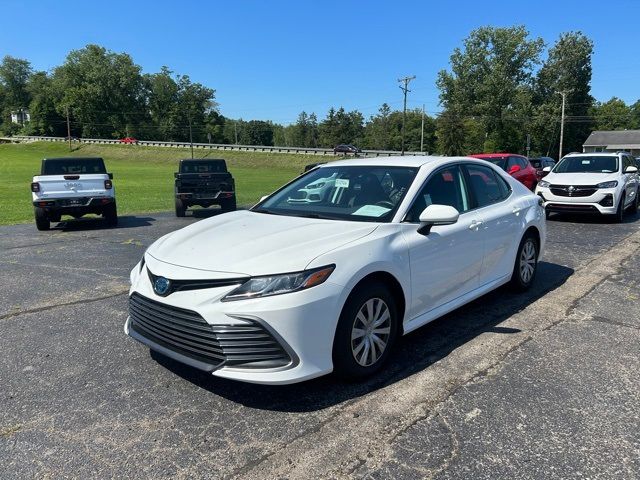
580, 178
249, 243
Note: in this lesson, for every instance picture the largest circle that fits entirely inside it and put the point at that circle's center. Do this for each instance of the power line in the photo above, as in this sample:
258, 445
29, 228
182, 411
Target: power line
405, 89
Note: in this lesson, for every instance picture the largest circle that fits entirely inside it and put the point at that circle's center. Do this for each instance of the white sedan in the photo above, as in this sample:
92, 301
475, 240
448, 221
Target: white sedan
290, 290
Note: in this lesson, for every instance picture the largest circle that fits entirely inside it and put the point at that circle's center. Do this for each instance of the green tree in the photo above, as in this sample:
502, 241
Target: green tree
45, 119
488, 80
567, 68
613, 114
102, 90
14, 94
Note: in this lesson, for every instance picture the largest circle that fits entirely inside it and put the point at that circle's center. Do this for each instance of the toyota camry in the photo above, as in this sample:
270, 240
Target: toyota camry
297, 287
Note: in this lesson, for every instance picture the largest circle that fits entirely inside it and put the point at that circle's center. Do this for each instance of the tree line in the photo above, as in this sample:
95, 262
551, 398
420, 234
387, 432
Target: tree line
497, 94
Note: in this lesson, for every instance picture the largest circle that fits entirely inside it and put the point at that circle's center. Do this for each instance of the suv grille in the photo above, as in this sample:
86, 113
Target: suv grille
186, 332
573, 191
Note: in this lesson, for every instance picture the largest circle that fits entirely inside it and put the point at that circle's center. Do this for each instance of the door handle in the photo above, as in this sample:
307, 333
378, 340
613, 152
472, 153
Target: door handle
516, 210
475, 225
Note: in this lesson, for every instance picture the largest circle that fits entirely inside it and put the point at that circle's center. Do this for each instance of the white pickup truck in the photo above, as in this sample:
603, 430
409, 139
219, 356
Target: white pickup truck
75, 187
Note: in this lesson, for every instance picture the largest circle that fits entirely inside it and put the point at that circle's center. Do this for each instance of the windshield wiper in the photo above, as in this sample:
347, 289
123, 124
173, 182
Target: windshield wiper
264, 210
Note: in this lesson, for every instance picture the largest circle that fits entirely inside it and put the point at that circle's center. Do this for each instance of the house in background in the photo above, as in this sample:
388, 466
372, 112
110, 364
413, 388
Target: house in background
613, 141
21, 116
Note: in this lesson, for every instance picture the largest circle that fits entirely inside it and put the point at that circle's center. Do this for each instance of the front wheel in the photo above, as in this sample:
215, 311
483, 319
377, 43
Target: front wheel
526, 265
42, 219
618, 217
634, 206
366, 331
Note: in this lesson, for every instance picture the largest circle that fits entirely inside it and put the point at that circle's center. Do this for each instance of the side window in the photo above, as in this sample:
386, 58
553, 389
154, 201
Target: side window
524, 163
445, 187
486, 185
512, 162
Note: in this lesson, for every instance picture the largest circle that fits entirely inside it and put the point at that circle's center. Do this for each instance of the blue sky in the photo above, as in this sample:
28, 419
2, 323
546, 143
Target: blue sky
271, 59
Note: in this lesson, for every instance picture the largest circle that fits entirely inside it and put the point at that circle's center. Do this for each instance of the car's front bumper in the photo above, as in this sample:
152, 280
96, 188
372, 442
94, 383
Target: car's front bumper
303, 323
603, 201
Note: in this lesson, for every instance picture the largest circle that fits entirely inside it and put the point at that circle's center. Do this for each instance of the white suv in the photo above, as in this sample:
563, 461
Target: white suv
605, 183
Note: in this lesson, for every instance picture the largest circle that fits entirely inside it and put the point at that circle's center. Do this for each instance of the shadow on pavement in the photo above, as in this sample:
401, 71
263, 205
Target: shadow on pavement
413, 353
97, 223
591, 218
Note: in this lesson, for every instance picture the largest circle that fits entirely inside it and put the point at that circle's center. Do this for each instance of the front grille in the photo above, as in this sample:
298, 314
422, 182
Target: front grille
577, 208
186, 332
182, 285
573, 190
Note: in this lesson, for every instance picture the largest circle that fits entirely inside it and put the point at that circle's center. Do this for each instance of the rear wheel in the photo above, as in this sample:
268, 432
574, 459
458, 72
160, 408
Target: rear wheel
42, 219
526, 265
110, 214
366, 332
229, 204
181, 208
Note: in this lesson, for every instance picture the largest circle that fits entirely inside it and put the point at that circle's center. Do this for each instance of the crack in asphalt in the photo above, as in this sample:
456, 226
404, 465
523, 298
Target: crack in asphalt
612, 322
65, 304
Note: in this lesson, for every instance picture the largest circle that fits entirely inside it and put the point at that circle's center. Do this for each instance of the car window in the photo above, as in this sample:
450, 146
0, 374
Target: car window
64, 166
203, 167
522, 162
512, 162
444, 187
487, 187
536, 162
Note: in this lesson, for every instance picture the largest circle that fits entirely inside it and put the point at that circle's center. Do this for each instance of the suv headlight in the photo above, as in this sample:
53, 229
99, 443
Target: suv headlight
279, 284
612, 184
543, 184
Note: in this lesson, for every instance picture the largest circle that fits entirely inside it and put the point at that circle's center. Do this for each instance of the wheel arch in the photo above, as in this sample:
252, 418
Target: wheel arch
395, 287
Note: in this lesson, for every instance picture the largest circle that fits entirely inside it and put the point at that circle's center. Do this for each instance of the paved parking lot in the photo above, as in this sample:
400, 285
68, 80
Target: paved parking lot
541, 385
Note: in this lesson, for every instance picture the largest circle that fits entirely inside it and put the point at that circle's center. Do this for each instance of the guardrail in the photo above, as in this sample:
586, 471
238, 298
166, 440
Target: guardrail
212, 146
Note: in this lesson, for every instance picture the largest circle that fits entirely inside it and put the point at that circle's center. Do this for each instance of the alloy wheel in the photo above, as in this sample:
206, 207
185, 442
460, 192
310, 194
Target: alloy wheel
370, 332
528, 261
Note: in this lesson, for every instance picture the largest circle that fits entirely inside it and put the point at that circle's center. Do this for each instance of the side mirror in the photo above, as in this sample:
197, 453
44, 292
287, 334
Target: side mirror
110, 176
435, 215
631, 169
546, 169
514, 169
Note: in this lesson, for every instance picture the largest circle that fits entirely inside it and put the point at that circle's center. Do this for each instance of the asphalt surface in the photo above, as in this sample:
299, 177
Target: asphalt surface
538, 385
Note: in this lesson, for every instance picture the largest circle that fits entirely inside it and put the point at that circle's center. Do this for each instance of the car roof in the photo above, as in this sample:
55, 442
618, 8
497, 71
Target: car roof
495, 155
396, 161
600, 154
202, 160
73, 158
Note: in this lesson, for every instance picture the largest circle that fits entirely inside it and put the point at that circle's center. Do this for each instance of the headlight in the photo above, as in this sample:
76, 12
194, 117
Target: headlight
543, 184
612, 184
279, 284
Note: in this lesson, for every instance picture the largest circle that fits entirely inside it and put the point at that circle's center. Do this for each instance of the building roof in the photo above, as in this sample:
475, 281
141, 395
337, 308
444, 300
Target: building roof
614, 139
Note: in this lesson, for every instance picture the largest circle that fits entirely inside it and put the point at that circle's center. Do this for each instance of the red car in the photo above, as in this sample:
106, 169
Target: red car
129, 140
515, 165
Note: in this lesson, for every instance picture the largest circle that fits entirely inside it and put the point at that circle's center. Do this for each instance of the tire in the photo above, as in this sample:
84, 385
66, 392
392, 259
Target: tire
634, 206
229, 205
352, 358
181, 208
526, 263
110, 214
42, 219
618, 217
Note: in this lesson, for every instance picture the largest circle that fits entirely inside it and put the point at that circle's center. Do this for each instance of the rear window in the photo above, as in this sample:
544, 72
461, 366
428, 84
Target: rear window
203, 167
65, 166
587, 164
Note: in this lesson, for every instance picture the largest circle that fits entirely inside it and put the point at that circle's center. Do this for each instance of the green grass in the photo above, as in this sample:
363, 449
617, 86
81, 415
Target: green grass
143, 176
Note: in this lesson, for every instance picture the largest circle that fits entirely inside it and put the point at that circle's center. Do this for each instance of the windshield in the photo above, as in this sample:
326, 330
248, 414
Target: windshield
359, 193
587, 164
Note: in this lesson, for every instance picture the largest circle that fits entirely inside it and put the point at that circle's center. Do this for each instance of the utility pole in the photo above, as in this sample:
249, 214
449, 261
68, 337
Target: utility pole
68, 128
235, 130
528, 145
422, 131
564, 99
190, 135
405, 89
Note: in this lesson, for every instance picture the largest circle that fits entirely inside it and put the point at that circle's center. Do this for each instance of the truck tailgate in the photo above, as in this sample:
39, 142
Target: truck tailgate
69, 186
